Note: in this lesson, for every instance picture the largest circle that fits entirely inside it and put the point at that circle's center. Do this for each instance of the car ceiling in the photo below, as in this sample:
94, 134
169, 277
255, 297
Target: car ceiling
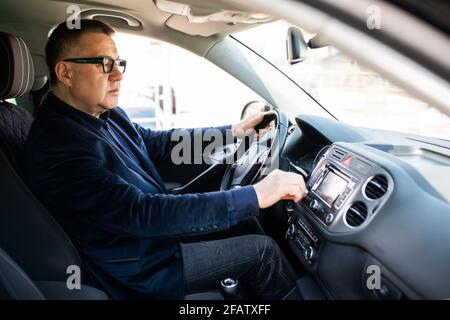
20, 18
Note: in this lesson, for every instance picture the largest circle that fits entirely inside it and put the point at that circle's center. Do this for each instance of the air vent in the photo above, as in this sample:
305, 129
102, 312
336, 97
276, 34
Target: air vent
338, 154
356, 214
376, 187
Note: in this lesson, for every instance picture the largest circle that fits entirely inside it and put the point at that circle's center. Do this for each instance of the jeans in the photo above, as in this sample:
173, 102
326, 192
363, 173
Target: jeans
255, 260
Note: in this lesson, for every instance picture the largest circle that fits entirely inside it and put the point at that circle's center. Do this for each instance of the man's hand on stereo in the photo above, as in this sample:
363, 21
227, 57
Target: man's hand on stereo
280, 185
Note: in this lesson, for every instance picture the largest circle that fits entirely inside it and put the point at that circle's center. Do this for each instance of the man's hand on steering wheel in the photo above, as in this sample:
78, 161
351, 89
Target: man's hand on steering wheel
247, 126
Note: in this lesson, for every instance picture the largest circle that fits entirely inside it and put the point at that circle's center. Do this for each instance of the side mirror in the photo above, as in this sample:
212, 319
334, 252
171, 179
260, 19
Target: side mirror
296, 46
255, 107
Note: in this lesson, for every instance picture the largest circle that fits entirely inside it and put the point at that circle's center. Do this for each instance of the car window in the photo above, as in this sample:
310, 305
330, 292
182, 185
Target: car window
25, 102
12, 100
349, 90
165, 86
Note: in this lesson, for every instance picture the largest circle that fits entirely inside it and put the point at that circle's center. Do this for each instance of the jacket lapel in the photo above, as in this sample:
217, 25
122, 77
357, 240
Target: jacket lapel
136, 168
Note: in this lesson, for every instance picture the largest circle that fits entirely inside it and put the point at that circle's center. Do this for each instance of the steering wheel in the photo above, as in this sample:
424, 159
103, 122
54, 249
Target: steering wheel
256, 156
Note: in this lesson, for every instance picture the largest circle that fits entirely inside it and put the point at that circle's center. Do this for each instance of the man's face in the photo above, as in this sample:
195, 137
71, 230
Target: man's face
91, 89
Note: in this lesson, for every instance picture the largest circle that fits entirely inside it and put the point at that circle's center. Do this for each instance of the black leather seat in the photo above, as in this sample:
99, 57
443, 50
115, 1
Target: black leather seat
15, 284
27, 231
15, 80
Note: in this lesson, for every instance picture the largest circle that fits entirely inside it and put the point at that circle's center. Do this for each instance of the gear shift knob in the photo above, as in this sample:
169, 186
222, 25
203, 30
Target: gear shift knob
229, 288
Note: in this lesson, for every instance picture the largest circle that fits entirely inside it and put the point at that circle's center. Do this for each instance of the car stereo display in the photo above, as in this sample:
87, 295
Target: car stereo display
331, 187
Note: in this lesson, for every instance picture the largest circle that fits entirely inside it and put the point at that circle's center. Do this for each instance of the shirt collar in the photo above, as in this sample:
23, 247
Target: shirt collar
57, 105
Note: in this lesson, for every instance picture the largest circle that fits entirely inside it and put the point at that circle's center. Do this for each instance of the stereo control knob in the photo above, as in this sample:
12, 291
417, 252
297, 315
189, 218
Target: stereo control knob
315, 205
329, 218
310, 254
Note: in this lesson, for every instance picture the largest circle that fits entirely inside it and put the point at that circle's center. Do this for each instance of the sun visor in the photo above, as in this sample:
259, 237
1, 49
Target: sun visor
207, 21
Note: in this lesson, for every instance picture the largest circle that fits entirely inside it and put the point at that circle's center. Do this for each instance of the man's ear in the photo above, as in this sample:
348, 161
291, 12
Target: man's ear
64, 73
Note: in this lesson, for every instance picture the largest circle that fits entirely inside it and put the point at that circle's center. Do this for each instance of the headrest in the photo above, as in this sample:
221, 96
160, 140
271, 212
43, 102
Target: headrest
40, 72
17, 74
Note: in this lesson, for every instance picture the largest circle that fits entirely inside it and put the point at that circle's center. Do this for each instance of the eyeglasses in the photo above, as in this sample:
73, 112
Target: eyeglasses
108, 63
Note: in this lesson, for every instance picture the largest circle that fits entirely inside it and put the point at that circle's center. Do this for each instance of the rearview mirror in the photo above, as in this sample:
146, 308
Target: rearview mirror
296, 46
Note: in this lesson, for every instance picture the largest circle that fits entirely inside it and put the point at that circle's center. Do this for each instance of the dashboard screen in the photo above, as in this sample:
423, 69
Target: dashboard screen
331, 187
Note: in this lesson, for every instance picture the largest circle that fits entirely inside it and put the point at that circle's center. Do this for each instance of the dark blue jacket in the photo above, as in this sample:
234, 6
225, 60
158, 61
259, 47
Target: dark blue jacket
104, 190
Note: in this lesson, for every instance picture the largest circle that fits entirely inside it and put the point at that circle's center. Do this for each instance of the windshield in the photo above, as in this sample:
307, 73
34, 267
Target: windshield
350, 91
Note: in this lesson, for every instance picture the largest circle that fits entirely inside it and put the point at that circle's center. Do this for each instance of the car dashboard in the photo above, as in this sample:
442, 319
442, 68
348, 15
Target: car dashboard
376, 221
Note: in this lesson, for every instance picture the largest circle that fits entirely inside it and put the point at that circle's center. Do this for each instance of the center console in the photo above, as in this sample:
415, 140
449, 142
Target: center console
328, 190
346, 191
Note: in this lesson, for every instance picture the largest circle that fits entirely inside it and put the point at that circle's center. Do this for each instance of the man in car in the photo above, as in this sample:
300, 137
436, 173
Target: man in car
97, 174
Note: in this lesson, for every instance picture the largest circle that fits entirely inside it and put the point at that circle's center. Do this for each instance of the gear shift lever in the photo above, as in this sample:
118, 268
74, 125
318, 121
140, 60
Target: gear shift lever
229, 289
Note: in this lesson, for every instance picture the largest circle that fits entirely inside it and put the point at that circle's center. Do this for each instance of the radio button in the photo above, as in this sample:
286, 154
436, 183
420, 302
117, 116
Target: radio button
316, 176
339, 201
